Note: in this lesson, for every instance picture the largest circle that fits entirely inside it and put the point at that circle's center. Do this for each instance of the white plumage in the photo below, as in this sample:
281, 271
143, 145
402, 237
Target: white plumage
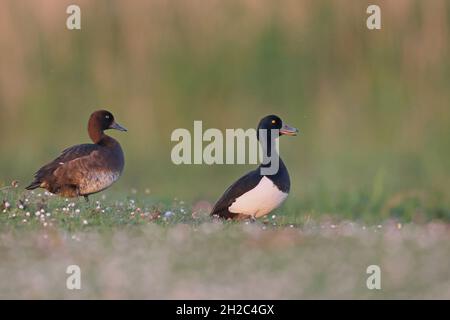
260, 200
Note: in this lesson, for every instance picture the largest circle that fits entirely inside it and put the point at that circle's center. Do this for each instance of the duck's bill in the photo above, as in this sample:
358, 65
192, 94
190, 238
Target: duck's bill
288, 130
117, 126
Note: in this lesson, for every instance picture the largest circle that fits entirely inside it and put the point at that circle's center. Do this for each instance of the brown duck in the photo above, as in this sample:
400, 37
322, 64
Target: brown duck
85, 169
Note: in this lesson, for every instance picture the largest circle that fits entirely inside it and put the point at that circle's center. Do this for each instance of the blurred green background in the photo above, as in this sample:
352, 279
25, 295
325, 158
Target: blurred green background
372, 106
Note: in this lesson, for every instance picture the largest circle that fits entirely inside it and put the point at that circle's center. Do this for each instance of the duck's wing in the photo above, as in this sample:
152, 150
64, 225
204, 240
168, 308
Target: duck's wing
241, 186
67, 159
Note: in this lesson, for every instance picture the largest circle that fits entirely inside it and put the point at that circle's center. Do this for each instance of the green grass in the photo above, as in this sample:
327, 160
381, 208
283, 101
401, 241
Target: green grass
31, 210
130, 246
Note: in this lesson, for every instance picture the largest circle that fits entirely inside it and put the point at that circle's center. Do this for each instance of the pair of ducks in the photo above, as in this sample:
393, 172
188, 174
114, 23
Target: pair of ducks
86, 169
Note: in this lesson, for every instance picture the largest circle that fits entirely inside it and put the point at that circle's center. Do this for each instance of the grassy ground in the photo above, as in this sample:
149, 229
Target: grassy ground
136, 246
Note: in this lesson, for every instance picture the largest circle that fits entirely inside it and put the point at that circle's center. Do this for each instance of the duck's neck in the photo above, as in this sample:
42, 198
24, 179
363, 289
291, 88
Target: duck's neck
96, 134
272, 162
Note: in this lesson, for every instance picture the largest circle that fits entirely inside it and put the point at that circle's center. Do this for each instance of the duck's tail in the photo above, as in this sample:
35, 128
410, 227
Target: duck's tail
35, 184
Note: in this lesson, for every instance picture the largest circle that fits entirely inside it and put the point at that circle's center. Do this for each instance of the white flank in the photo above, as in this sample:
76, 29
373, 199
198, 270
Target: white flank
260, 200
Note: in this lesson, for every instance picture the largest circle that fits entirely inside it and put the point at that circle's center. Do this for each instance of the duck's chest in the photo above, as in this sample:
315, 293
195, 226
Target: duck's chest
260, 200
104, 173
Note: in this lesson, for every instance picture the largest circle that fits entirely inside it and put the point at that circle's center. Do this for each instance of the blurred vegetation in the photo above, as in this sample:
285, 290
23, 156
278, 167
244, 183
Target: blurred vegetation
372, 106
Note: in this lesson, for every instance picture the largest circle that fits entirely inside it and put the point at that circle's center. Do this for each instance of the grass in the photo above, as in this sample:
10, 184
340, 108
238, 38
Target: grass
136, 246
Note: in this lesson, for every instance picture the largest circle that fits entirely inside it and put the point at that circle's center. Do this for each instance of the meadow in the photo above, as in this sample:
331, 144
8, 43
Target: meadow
369, 170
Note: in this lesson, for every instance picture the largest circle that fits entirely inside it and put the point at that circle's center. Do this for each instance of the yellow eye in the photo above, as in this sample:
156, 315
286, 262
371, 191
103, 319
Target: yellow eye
274, 121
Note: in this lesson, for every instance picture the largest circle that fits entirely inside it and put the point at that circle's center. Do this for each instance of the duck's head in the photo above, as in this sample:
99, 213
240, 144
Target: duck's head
273, 122
100, 121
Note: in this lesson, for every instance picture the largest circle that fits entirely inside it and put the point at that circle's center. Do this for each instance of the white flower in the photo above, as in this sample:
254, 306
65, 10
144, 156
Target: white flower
168, 214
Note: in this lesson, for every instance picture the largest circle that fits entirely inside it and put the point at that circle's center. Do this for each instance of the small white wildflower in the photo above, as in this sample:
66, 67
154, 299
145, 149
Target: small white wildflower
45, 224
168, 214
20, 206
7, 205
24, 220
42, 211
37, 213
48, 214
27, 214
274, 217
85, 222
77, 210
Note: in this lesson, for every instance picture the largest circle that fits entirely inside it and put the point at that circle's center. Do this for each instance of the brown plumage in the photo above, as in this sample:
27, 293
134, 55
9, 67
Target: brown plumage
85, 169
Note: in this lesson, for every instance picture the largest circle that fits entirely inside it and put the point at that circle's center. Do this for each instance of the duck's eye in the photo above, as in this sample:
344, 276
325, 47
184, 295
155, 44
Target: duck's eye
274, 121
107, 116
